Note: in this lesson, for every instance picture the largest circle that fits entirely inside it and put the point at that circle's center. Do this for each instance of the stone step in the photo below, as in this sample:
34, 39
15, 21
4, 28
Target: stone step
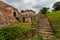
48, 38
46, 33
43, 28
46, 30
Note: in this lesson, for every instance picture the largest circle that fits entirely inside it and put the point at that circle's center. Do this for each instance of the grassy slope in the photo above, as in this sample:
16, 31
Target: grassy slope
12, 31
25, 26
54, 19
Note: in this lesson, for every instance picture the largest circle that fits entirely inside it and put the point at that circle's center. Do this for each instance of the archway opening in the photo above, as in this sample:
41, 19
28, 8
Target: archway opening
14, 14
23, 19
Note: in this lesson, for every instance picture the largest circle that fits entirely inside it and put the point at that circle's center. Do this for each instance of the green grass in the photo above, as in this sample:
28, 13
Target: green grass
54, 19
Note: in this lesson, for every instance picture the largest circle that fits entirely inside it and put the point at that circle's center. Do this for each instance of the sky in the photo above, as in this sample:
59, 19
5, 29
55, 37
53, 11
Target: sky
35, 5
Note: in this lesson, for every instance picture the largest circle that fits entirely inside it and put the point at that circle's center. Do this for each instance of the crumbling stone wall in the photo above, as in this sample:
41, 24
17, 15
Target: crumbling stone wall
10, 15
29, 15
7, 14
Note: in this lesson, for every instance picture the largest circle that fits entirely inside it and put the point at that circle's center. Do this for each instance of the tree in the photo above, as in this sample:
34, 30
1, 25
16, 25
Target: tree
56, 6
22, 11
44, 10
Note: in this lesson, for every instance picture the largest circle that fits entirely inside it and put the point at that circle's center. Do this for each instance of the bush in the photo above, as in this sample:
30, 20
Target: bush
10, 33
32, 25
14, 31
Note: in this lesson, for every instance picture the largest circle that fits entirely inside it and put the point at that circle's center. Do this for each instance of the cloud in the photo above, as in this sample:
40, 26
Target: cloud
35, 5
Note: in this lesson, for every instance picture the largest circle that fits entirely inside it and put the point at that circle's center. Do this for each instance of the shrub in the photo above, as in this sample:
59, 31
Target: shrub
32, 25
9, 33
14, 31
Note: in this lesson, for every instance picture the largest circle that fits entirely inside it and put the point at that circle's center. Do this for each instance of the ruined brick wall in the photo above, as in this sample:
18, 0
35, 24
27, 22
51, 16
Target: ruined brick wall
7, 14
10, 15
29, 15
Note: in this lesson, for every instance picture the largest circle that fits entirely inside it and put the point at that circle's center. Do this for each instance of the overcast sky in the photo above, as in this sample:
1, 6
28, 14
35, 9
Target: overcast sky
35, 5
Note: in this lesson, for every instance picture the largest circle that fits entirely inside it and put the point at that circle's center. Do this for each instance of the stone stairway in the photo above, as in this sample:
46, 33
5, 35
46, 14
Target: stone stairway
43, 27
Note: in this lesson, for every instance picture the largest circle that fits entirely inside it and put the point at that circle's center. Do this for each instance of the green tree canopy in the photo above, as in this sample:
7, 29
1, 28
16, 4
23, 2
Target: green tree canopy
44, 10
22, 11
56, 6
